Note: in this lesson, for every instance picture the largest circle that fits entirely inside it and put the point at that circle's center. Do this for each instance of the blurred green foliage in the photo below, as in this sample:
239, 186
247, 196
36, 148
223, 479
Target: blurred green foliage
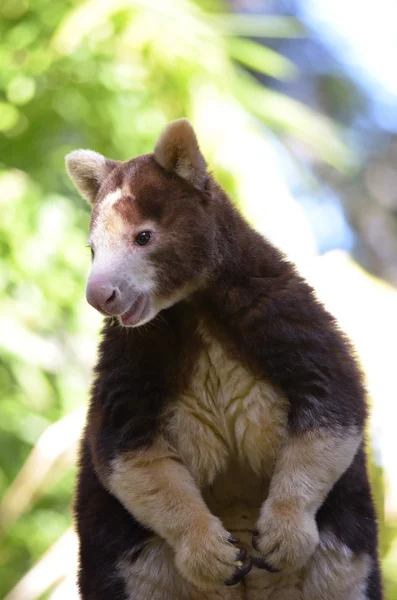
106, 75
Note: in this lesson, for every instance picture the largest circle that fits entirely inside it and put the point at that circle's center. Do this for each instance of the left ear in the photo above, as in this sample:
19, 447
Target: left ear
177, 151
88, 170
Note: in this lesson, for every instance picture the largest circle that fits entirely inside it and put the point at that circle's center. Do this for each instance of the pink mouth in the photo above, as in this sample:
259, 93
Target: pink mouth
137, 311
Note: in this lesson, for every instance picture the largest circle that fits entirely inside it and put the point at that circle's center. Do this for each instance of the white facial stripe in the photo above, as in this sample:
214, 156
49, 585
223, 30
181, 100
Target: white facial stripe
108, 227
110, 199
112, 239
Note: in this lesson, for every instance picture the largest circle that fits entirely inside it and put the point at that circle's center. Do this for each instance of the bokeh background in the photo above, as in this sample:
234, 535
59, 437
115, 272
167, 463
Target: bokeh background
295, 104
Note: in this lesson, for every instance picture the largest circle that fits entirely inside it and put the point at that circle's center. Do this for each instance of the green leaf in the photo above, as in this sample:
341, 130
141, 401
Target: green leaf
260, 58
290, 116
258, 26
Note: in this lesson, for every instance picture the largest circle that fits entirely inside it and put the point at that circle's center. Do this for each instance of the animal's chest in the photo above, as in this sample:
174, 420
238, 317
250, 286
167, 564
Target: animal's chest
226, 415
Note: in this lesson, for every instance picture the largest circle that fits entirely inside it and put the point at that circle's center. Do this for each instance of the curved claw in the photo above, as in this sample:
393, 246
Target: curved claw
240, 572
260, 563
233, 540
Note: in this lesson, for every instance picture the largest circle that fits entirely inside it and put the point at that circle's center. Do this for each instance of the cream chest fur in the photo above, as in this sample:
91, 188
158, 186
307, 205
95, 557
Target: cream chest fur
228, 421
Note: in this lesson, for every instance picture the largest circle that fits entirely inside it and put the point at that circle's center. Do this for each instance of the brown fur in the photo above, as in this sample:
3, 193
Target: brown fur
239, 407
177, 151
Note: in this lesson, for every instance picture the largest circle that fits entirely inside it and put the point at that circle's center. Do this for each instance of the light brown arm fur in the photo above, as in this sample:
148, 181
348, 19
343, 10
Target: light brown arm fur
160, 492
307, 467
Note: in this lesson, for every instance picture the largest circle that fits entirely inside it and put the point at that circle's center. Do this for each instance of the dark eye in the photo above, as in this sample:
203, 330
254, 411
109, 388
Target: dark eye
143, 238
92, 253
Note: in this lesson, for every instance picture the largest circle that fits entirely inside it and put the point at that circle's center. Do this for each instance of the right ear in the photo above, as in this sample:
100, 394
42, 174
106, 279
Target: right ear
88, 170
177, 151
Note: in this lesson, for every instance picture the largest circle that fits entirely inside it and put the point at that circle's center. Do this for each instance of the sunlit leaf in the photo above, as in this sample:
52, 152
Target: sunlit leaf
260, 58
287, 115
258, 25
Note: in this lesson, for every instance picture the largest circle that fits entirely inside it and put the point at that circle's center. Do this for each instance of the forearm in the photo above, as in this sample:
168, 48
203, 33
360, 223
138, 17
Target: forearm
159, 491
308, 466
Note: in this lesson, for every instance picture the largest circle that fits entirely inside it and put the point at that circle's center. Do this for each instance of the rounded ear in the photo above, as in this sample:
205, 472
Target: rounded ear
88, 170
177, 151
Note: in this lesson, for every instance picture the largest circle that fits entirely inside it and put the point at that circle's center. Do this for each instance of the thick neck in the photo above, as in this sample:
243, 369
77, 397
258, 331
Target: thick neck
242, 253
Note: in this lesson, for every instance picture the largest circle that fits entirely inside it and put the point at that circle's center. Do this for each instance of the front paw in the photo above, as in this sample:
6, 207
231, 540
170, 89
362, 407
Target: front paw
207, 557
286, 538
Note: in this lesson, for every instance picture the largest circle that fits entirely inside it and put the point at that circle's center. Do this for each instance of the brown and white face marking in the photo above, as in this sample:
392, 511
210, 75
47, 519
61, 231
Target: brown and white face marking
122, 281
151, 233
